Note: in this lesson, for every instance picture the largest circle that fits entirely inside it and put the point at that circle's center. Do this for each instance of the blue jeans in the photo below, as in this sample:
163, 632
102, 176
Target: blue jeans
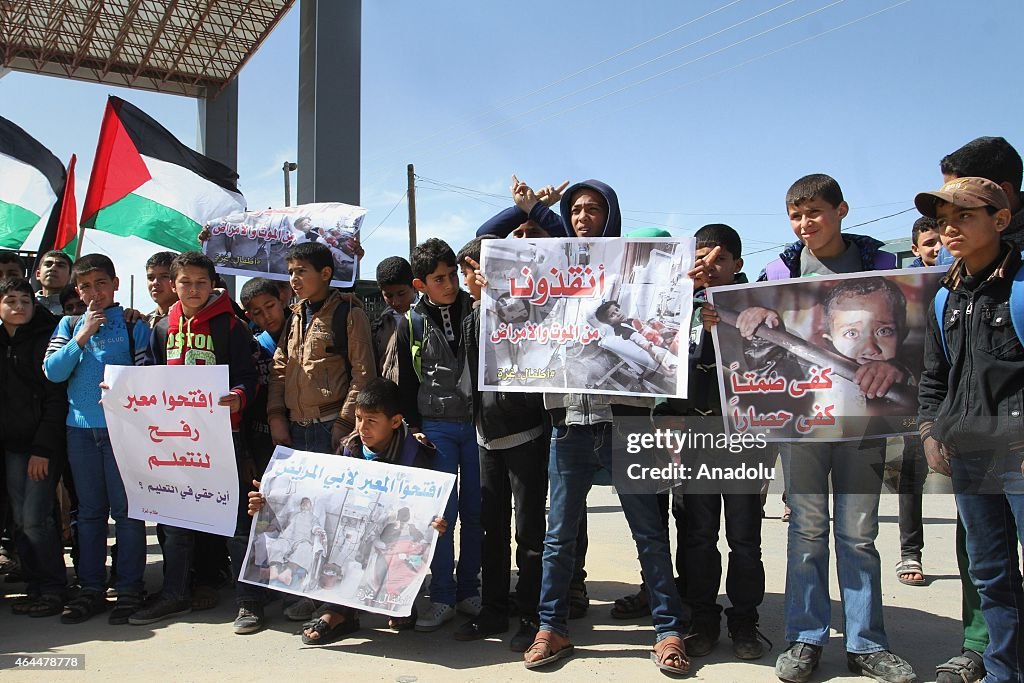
853, 468
577, 453
994, 524
457, 453
35, 530
315, 437
101, 495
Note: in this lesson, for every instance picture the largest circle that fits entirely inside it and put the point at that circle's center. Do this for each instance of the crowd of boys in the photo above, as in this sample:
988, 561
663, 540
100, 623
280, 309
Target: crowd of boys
308, 369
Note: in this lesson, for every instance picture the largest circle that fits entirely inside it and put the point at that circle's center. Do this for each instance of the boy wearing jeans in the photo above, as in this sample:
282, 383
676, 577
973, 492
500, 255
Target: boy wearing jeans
32, 438
79, 351
445, 405
971, 393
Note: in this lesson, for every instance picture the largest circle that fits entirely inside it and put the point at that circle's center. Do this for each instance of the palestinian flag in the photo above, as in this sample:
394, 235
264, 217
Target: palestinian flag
146, 183
31, 182
62, 233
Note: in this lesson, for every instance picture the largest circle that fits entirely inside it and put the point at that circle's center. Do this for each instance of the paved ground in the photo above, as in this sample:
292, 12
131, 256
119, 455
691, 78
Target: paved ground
923, 625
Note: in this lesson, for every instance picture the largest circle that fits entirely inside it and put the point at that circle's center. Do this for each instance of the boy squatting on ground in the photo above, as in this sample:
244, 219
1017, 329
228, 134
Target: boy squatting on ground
816, 210
78, 353
201, 329
32, 435
380, 435
971, 393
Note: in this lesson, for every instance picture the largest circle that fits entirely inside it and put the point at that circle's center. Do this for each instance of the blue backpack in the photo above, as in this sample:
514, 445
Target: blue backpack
1016, 309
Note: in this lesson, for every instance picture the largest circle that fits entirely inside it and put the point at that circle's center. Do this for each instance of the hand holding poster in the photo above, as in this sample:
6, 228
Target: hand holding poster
255, 243
345, 530
824, 358
586, 315
172, 444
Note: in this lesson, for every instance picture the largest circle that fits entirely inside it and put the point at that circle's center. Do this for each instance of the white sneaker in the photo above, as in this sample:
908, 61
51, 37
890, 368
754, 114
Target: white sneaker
435, 617
469, 606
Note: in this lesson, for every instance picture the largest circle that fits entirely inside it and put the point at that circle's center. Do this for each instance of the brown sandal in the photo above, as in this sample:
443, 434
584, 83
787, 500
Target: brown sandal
542, 646
669, 656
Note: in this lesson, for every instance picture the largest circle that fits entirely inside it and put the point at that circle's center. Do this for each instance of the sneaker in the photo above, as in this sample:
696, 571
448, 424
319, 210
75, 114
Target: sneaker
579, 601
966, 667
796, 664
435, 617
163, 608
469, 606
250, 617
478, 628
702, 639
126, 605
524, 637
746, 641
301, 610
881, 666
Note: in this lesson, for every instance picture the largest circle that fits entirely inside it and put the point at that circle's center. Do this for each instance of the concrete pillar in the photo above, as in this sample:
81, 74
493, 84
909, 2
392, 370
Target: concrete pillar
217, 135
330, 34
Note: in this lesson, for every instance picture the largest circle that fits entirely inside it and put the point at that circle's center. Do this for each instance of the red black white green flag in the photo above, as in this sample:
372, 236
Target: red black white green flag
146, 183
31, 185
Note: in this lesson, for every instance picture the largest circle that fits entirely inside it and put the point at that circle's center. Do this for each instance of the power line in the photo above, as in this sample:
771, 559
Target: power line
365, 239
521, 114
717, 73
848, 227
563, 79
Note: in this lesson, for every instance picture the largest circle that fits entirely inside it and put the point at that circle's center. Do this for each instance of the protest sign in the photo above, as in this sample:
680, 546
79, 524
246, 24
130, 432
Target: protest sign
808, 372
255, 243
345, 530
172, 444
605, 315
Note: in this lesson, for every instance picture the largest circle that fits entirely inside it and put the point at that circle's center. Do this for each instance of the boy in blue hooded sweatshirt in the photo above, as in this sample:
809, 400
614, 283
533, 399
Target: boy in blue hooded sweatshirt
581, 443
78, 353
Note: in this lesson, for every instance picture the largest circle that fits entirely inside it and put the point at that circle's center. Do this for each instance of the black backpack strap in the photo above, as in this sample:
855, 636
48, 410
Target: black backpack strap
131, 343
220, 330
159, 342
339, 328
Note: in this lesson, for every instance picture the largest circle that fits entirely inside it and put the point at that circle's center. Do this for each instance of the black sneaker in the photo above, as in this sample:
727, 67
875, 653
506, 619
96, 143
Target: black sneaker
126, 605
966, 667
250, 617
881, 666
524, 637
746, 641
796, 664
478, 629
702, 639
579, 601
163, 608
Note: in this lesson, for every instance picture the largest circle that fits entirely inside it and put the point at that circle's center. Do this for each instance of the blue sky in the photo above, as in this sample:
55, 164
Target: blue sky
695, 112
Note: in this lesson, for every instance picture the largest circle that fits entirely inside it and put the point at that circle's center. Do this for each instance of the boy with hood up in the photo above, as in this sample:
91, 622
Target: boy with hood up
581, 445
201, 329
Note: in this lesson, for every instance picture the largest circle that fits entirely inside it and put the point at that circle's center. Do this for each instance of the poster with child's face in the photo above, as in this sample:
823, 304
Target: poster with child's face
823, 358
608, 315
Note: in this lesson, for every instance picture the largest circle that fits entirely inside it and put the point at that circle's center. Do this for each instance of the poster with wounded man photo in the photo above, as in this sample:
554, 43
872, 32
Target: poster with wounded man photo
345, 530
255, 243
823, 358
608, 315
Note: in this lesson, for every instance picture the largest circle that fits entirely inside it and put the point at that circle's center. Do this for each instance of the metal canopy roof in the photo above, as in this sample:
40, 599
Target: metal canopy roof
188, 47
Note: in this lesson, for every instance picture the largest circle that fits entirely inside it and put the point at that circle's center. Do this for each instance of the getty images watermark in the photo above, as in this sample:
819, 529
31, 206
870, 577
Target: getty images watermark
695, 453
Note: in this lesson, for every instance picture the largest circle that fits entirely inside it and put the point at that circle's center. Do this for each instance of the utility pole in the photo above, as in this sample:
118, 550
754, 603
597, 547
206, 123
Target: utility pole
287, 168
412, 207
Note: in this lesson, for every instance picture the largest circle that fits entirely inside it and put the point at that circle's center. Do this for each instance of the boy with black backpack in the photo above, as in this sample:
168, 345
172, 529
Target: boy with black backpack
323, 361
201, 329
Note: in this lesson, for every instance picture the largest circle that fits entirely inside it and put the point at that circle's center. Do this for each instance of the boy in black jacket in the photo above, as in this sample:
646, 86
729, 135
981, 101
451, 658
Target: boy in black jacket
32, 436
511, 432
971, 401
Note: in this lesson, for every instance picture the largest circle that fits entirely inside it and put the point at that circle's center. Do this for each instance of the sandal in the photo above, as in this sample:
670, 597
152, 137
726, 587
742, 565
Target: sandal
632, 606
23, 605
329, 633
83, 608
403, 623
47, 606
542, 646
671, 657
204, 597
908, 567
967, 666
579, 601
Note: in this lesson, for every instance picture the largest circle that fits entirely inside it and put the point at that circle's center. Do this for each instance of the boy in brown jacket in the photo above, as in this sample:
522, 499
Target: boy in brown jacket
323, 360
